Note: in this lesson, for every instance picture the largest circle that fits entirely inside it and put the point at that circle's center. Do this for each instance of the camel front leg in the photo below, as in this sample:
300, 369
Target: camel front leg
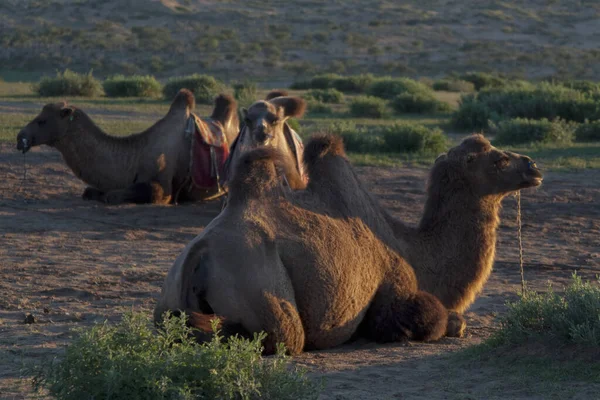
396, 316
140, 193
281, 321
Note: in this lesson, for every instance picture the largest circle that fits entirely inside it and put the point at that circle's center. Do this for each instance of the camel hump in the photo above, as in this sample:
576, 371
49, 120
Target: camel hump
184, 98
225, 109
256, 173
321, 145
276, 93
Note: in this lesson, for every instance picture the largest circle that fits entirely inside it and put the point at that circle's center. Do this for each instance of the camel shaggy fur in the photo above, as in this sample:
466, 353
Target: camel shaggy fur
147, 167
288, 264
452, 248
265, 125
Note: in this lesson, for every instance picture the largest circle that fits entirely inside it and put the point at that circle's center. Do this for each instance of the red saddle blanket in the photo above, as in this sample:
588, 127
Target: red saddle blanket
209, 152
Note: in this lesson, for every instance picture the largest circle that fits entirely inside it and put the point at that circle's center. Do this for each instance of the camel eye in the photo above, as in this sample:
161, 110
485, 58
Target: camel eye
470, 158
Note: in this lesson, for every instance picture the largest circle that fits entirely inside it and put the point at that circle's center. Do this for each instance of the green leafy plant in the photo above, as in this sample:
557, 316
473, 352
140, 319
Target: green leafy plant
69, 83
325, 95
588, 132
451, 85
388, 88
368, 107
573, 317
130, 361
245, 93
132, 86
418, 103
522, 130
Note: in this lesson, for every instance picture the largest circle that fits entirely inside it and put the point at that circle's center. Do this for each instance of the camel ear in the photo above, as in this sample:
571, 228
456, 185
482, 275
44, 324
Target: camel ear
288, 107
276, 93
440, 158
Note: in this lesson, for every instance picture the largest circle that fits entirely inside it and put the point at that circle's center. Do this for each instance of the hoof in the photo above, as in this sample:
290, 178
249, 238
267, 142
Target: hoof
456, 325
91, 193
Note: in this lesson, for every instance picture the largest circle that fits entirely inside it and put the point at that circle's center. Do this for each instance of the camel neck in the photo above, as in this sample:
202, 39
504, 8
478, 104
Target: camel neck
103, 161
454, 244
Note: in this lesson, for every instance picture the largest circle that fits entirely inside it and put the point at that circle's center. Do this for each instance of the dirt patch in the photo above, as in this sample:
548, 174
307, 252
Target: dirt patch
72, 263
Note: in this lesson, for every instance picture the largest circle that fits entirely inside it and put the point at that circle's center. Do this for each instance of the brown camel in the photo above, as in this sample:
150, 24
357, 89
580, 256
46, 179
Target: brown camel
278, 261
452, 248
265, 125
148, 167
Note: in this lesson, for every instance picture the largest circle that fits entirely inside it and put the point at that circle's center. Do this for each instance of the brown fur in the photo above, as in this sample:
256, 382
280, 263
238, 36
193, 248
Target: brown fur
452, 249
288, 264
144, 167
276, 93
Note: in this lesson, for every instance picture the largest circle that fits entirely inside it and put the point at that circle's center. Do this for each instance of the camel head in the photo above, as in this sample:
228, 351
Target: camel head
49, 126
265, 119
485, 170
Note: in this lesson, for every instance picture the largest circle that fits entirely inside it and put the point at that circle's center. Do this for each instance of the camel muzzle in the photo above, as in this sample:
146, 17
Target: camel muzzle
23, 143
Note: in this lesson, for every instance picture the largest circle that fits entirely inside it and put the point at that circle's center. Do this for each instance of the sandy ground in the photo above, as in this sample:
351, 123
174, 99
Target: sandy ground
72, 263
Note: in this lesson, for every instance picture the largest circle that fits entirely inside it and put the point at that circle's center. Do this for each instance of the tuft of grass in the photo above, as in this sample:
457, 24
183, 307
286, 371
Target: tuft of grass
522, 130
69, 83
418, 103
570, 318
484, 80
317, 107
204, 87
368, 107
324, 81
129, 361
354, 84
132, 86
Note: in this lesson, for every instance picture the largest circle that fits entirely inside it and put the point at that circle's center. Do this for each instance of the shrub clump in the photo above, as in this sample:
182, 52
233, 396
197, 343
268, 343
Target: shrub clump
324, 81
522, 130
204, 87
317, 107
69, 83
388, 88
354, 84
132, 86
451, 85
325, 95
588, 132
130, 361
418, 103
368, 107
570, 318
484, 80
403, 137
245, 93
526, 101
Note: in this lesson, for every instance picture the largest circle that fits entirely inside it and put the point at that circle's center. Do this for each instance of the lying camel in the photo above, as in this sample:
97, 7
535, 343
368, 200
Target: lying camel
265, 125
277, 261
148, 167
452, 249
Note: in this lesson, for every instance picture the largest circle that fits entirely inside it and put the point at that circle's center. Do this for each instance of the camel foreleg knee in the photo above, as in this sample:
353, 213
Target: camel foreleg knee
281, 322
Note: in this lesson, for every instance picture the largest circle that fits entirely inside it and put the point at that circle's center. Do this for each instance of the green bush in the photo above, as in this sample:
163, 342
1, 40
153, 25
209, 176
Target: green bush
484, 80
325, 95
450, 85
401, 137
368, 107
588, 87
544, 100
570, 318
418, 103
324, 81
317, 107
130, 361
300, 85
245, 93
132, 86
588, 132
521, 130
471, 114
69, 83
354, 84
204, 87
388, 88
